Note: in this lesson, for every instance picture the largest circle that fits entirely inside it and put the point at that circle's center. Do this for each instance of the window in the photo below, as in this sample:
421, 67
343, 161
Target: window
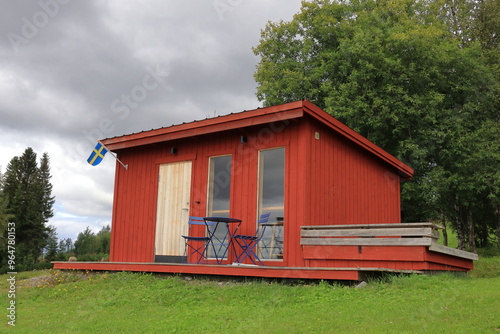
219, 189
272, 199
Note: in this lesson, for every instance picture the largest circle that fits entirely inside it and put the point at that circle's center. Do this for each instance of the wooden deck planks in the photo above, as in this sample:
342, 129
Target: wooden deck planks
385, 232
225, 270
367, 241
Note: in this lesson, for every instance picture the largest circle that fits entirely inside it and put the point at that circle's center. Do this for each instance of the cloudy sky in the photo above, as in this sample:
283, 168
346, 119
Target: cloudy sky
75, 71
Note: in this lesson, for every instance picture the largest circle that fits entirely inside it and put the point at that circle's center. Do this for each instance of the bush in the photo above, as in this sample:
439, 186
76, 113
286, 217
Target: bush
93, 257
490, 251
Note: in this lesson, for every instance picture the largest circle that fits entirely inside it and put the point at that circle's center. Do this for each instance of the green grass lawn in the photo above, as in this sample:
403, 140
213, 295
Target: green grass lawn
75, 302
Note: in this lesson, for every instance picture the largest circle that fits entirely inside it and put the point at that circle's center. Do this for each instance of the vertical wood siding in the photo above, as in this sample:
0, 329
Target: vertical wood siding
348, 186
136, 190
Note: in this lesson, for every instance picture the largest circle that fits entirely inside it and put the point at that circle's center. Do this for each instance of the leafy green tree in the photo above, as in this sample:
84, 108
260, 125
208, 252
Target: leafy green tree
89, 243
473, 21
86, 242
487, 178
407, 74
478, 23
27, 189
103, 240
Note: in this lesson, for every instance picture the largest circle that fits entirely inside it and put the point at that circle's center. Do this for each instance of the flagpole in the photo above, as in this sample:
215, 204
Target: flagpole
113, 155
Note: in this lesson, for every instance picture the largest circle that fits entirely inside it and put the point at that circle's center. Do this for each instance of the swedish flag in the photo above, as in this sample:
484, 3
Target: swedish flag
97, 154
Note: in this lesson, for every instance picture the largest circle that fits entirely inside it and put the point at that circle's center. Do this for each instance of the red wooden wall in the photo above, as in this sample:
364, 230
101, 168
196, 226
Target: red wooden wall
134, 211
334, 182
328, 180
347, 185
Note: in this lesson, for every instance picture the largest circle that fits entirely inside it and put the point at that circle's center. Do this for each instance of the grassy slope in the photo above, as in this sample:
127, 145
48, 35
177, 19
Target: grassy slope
138, 303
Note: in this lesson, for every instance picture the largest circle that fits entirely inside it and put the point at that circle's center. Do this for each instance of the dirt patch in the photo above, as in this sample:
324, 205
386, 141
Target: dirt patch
56, 277
35, 281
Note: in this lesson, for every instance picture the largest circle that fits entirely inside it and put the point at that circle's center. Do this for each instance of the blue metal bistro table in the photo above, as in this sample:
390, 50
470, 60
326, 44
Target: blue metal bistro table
221, 241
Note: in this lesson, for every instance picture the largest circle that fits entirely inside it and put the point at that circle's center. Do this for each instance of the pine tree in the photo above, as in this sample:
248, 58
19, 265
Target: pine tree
28, 190
4, 216
52, 250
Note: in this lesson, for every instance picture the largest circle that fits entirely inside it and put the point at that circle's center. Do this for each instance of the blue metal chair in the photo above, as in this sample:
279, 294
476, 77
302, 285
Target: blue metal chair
196, 246
248, 243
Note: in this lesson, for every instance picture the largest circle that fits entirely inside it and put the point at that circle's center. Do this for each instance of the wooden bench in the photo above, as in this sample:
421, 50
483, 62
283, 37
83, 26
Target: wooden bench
407, 234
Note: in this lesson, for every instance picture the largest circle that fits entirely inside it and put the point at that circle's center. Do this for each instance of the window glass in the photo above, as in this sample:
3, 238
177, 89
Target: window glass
271, 199
219, 189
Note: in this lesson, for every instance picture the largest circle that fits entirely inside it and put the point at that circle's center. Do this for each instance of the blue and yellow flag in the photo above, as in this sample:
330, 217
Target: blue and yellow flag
97, 155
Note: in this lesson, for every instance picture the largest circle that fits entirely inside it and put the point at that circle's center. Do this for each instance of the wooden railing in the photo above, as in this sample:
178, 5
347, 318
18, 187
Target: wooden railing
408, 234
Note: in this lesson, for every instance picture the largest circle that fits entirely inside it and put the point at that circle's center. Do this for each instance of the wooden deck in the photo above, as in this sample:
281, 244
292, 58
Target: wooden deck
331, 252
353, 274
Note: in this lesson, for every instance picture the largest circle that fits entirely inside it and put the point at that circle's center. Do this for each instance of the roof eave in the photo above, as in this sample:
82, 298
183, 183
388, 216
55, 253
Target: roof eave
254, 117
207, 126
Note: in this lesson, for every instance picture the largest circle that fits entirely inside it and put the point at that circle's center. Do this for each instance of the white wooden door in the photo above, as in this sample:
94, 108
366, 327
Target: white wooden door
172, 214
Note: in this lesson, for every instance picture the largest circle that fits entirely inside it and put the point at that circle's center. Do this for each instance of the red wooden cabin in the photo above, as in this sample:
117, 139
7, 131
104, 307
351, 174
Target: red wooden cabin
334, 195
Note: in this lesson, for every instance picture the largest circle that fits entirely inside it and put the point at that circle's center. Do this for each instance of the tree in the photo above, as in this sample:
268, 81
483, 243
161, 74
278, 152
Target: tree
89, 243
488, 176
103, 240
399, 73
481, 20
4, 216
85, 242
52, 249
45, 188
473, 20
66, 245
27, 189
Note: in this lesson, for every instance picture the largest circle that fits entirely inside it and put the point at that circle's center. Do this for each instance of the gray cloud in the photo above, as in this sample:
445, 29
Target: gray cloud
73, 71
